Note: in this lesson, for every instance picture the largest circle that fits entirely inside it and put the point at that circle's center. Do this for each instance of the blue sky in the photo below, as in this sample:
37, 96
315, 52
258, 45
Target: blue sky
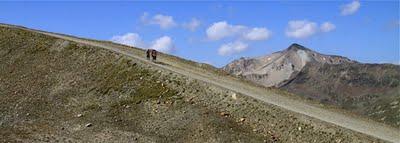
219, 32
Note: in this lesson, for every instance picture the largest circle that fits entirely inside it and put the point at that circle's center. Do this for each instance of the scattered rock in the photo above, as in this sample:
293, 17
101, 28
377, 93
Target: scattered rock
274, 138
394, 103
224, 114
234, 96
89, 125
189, 99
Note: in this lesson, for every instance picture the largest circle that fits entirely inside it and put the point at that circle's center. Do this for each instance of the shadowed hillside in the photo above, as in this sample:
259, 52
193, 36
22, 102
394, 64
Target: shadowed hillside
369, 89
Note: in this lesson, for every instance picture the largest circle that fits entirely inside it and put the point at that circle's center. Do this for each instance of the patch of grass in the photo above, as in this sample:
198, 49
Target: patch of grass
93, 106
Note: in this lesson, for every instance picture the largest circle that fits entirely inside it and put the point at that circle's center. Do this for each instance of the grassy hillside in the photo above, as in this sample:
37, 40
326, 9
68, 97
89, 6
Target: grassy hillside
56, 90
372, 90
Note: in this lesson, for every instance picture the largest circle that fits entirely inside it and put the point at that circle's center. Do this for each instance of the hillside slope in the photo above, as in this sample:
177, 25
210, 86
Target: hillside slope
68, 90
372, 90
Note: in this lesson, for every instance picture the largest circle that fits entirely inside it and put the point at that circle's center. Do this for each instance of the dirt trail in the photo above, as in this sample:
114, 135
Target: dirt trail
367, 127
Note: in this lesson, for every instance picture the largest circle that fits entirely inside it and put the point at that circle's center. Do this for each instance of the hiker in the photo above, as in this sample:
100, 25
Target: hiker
148, 54
152, 53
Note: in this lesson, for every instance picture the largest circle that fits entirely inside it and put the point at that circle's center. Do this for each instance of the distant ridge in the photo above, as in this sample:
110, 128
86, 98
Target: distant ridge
362, 88
279, 67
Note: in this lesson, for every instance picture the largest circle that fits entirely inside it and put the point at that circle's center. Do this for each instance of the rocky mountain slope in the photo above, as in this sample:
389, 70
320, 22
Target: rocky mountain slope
277, 69
368, 89
59, 90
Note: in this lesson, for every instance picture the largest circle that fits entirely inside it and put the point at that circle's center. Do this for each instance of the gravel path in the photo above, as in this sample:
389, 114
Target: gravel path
367, 127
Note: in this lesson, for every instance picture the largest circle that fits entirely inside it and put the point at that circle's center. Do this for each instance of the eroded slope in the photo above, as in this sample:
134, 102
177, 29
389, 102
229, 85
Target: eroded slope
56, 90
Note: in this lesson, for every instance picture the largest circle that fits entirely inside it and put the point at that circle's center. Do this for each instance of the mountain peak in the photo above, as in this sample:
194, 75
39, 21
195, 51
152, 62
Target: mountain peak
283, 65
296, 47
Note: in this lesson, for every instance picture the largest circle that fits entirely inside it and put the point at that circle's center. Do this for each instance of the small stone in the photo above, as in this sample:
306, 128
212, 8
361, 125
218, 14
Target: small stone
394, 103
141, 78
79, 115
234, 96
299, 128
242, 119
254, 130
127, 106
89, 125
224, 114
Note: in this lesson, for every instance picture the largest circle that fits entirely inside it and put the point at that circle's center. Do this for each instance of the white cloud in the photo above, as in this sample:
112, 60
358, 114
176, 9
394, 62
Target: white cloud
222, 29
327, 27
232, 48
192, 25
301, 29
350, 8
131, 39
164, 21
163, 44
257, 34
